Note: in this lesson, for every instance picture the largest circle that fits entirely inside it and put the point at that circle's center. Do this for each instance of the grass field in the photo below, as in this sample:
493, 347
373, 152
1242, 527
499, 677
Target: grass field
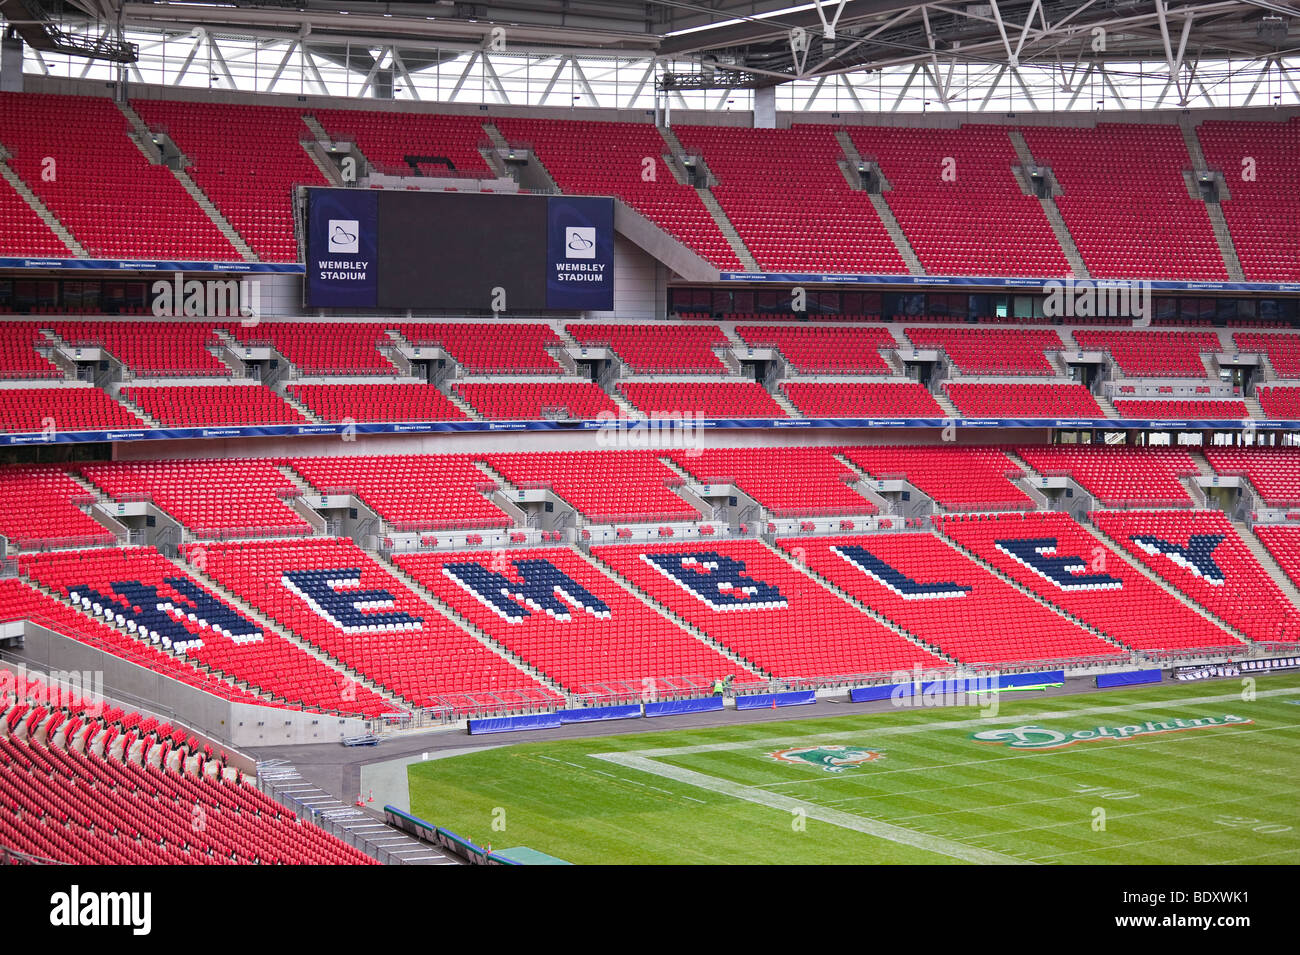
918, 788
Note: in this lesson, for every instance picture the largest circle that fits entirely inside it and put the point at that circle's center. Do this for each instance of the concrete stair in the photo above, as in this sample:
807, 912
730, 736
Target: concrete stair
1187, 126
675, 147
1269, 563
196, 664
786, 404
728, 230
1106, 406
220, 221
143, 137
1050, 209
901, 243
262, 620
450, 393
494, 134
629, 410
1253, 407
87, 486
331, 175
890, 356
1030, 476
944, 402
1160, 582
867, 609
1211, 362
148, 418
853, 158
298, 481
317, 130
539, 176
1224, 238
297, 405
101, 516
635, 591
1032, 595
1023, 152
675, 153
489, 154
222, 355
450, 612
323, 137
1064, 238
58, 228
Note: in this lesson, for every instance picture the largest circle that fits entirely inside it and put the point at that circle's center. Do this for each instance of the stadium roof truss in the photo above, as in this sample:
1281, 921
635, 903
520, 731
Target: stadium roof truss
823, 55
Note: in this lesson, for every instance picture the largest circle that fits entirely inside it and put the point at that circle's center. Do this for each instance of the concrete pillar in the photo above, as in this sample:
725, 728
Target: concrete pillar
11, 62
765, 108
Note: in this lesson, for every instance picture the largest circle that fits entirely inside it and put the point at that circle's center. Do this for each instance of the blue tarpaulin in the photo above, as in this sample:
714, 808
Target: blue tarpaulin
514, 724
764, 701
677, 707
592, 713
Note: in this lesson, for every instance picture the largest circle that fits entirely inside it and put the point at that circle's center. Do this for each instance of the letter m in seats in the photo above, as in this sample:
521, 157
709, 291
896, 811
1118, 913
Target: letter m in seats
541, 587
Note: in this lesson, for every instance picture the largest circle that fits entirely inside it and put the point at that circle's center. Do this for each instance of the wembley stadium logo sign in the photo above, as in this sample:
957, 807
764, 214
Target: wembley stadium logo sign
1040, 737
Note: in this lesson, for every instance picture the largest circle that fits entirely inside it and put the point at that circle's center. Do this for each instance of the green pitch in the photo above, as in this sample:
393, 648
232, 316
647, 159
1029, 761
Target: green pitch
1170, 774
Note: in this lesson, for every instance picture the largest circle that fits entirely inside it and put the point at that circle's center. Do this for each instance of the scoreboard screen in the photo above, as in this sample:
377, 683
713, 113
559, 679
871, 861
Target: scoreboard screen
394, 249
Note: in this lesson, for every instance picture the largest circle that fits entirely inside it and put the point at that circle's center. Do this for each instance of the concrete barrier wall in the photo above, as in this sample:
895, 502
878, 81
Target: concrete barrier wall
131, 685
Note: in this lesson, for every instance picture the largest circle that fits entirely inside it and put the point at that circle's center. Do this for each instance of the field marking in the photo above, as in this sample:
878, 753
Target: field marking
1117, 815
1139, 842
1148, 789
835, 817
1261, 855
999, 760
910, 728
588, 769
646, 761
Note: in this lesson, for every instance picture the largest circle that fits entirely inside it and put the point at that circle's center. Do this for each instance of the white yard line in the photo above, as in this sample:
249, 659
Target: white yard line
835, 817
1239, 730
1115, 815
963, 724
645, 761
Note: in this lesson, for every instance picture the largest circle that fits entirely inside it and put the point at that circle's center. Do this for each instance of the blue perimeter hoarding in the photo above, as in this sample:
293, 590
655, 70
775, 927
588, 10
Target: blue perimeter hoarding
426, 427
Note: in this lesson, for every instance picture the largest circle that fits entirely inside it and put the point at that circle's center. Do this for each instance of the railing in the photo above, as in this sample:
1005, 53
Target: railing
317, 818
428, 169
14, 857
64, 543
218, 687
242, 533
517, 146
482, 524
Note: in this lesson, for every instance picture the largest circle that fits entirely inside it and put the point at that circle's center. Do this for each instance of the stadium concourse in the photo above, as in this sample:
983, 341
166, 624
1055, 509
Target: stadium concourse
802, 454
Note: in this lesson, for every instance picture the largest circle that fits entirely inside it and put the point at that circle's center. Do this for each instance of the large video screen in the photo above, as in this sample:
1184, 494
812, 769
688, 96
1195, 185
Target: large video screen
464, 251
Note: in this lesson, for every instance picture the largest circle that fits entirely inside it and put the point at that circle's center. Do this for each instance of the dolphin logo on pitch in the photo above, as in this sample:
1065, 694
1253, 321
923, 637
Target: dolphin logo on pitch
344, 235
580, 242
